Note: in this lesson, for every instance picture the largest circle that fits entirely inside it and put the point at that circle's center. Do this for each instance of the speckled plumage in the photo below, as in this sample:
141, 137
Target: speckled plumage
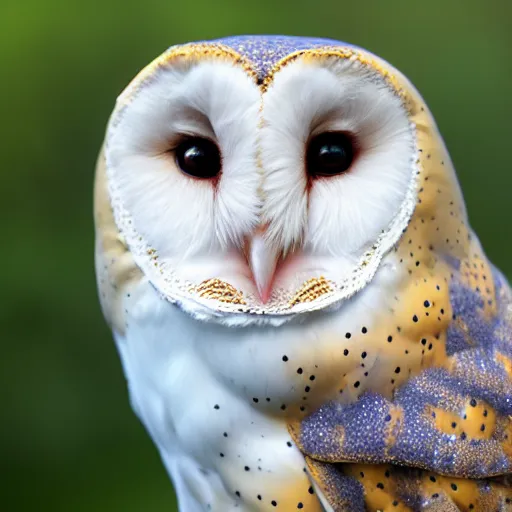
452, 420
264, 52
395, 396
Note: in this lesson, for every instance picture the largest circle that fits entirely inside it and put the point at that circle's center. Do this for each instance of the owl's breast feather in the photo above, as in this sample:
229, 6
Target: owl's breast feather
224, 397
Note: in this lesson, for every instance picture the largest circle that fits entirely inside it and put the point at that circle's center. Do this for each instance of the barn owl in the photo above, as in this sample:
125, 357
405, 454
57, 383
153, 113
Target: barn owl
305, 319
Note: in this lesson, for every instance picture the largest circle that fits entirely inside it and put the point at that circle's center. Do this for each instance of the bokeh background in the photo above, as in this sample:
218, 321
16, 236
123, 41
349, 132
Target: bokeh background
68, 440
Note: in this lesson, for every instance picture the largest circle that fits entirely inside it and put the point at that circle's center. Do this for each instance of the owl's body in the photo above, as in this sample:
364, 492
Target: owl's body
275, 317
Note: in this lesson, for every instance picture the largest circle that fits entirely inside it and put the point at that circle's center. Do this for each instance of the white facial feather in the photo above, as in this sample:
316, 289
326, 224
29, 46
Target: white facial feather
340, 215
201, 229
178, 215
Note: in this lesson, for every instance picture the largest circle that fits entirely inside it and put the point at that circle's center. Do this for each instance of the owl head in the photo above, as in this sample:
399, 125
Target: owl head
265, 177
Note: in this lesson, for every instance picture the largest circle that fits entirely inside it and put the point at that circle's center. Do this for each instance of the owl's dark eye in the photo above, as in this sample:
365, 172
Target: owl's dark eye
199, 157
329, 153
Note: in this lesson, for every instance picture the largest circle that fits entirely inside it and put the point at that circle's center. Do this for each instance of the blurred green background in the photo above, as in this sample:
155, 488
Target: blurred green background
68, 439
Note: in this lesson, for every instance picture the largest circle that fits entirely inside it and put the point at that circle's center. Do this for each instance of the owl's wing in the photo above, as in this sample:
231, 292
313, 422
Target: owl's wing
453, 420
386, 487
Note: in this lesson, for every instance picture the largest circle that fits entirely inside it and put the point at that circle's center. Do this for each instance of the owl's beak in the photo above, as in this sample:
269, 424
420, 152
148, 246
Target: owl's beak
263, 262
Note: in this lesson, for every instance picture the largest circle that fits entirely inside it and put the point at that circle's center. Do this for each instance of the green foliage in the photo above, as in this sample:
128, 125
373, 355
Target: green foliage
68, 439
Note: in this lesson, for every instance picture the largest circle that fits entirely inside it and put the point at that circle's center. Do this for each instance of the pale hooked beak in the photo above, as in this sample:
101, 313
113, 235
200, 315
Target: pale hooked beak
262, 260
